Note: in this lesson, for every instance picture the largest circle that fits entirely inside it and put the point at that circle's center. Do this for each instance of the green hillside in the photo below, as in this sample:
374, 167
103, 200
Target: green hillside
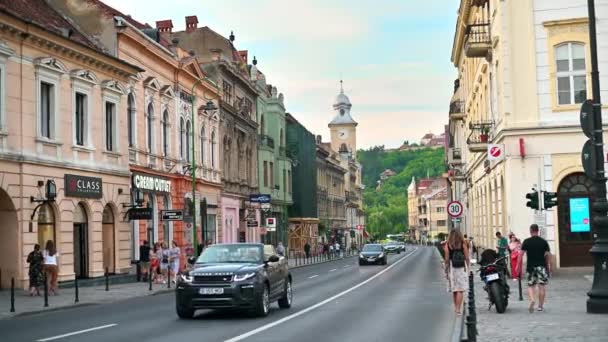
387, 208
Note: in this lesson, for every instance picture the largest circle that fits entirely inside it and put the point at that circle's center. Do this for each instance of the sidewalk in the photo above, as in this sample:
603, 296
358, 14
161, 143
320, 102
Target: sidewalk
87, 296
564, 319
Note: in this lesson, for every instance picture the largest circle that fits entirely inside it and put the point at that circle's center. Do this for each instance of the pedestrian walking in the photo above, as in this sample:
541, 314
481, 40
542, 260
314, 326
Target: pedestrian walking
144, 260
281, 249
338, 250
331, 250
174, 261
538, 267
502, 248
36, 261
155, 257
456, 258
307, 250
51, 268
164, 262
515, 252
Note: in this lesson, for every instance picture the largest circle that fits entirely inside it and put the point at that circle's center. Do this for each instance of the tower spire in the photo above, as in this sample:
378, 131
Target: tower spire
341, 86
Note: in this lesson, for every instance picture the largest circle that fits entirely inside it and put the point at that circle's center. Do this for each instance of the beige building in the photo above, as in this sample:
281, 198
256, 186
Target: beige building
523, 72
331, 200
60, 122
427, 201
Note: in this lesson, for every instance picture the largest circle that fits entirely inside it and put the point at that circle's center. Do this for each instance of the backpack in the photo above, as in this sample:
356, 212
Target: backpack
458, 258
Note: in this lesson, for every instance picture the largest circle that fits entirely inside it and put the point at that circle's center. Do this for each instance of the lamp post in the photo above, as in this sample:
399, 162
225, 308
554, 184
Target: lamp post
209, 107
598, 295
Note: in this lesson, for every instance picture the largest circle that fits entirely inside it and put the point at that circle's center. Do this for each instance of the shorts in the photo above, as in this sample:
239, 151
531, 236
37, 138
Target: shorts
538, 276
144, 265
175, 266
164, 266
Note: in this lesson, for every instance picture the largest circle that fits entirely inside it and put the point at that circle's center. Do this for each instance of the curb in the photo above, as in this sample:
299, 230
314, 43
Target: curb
458, 328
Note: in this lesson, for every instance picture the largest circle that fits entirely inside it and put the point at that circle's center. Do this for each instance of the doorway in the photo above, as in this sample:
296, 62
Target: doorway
9, 240
81, 245
108, 238
574, 196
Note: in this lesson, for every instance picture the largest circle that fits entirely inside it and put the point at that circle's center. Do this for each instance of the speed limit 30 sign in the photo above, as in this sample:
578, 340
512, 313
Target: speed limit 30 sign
455, 209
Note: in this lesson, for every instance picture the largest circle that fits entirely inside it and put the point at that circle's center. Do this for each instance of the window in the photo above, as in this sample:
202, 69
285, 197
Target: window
227, 92
188, 135
213, 143
571, 73
248, 106
440, 209
47, 112
265, 173
262, 126
203, 145
284, 180
150, 126
80, 118
281, 142
289, 181
110, 126
181, 138
166, 133
272, 175
441, 223
131, 119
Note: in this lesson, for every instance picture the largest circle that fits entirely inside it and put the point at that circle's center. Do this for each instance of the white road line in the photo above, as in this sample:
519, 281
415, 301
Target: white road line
310, 308
76, 333
313, 276
333, 270
347, 266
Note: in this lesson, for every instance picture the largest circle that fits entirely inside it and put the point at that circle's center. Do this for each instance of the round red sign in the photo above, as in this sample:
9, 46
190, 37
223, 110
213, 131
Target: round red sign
495, 151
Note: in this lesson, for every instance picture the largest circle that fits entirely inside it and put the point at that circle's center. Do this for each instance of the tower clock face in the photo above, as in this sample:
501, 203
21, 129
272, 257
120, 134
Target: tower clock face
341, 111
343, 134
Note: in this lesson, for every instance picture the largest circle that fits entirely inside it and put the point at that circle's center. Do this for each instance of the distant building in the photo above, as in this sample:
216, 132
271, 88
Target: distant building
427, 201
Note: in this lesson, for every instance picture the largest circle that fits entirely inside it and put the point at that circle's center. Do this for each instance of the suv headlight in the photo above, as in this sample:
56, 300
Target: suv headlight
186, 278
380, 255
361, 255
244, 276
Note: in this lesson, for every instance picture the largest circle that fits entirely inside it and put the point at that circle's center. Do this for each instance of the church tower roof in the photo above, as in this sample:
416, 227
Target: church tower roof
342, 106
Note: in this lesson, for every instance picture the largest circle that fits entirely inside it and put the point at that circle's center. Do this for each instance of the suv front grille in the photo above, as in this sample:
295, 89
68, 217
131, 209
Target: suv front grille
213, 279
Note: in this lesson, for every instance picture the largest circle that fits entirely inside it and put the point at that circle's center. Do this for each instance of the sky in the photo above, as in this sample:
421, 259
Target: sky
393, 55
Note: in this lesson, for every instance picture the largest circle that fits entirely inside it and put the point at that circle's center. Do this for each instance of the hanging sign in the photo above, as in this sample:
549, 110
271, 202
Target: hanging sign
172, 215
140, 214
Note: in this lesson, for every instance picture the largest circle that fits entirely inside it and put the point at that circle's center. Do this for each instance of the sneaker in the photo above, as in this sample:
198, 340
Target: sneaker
531, 307
540, 309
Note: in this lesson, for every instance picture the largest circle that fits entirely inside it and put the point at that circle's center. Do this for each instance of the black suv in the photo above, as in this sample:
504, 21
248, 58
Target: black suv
240, 275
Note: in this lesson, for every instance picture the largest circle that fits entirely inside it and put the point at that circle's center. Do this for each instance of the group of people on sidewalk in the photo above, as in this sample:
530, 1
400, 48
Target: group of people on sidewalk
43, 264
457, 262
159, 262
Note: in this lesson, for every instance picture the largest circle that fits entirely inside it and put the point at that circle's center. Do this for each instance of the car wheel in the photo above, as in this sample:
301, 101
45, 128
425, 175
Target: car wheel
184, 312
262, 306
399, 252
285, 301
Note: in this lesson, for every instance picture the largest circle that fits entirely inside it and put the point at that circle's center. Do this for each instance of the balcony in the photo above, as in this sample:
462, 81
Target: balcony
266, 140
480, 136
478, 42
454, 156
457, 110
456, 175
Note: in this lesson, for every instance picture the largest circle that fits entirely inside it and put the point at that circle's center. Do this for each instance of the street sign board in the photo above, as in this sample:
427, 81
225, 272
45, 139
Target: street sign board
252, 224
172, 215
586, 117
259, 198
271, 222
455, 209
456, 219
140, 214
271, 229
588, 159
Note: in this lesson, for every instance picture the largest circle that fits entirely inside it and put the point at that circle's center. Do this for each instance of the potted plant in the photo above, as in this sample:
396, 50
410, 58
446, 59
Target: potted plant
483, 136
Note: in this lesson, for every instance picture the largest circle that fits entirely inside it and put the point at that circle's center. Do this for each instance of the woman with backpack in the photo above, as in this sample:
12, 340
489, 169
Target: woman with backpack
456, 257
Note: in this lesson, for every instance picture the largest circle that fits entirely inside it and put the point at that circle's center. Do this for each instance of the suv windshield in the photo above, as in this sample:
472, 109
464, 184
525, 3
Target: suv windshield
372, 248
237, 253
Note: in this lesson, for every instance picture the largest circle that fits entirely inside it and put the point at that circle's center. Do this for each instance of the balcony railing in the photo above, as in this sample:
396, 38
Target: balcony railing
478, 41
457, 110
266, 140
480, 136
454, 156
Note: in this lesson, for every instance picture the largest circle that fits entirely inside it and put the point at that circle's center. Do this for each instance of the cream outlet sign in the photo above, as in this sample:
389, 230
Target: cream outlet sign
151, 183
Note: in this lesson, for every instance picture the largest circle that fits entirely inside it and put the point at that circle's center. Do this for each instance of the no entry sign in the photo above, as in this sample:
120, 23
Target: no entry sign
455, 209
495, 152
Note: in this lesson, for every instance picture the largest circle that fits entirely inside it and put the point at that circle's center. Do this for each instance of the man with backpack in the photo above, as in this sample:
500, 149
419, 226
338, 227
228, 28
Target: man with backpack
456, 257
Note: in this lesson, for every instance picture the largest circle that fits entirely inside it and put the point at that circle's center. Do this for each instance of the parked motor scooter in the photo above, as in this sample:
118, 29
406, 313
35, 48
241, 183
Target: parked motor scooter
494, 277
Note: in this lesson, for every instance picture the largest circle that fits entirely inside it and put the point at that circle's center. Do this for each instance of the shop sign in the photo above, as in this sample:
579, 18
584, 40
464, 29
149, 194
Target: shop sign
260, 198
140, 214
80, 186
151, 183
172, 215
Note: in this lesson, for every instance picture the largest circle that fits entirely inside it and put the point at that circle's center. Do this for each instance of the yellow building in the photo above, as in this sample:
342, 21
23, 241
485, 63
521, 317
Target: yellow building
427, 201
523, 72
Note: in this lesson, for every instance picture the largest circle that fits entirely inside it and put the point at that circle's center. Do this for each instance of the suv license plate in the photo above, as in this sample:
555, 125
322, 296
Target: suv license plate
211, 291
491, 277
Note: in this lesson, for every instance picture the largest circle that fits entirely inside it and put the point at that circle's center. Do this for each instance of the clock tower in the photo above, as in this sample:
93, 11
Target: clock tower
343, 128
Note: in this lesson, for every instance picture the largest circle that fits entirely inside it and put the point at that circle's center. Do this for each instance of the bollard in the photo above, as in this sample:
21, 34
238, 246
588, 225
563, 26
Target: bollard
76, 299
521, 297
107, 280
471, 321
150, 281
138, 271
46, 291
12, 294
169, 276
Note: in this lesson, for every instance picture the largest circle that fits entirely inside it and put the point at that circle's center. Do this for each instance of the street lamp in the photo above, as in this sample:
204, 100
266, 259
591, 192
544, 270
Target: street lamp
209, 109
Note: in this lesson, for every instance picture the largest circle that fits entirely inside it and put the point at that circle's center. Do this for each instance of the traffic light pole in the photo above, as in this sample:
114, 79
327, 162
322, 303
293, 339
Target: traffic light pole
598, 296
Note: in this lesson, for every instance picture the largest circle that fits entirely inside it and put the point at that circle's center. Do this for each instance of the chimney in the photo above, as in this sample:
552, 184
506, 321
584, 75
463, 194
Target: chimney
191, 23
164, 26
244, 54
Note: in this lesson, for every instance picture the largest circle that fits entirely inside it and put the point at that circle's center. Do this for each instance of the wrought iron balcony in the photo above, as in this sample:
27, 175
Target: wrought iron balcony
457, 110
266, 140
454, 156
480, 136
478, 41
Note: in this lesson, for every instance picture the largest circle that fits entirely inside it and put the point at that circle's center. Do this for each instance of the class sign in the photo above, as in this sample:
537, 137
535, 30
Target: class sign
83, 187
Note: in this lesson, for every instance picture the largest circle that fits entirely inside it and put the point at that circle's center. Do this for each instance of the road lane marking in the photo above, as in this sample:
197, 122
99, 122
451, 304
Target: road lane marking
76, 333
333, 270
347, 266
313, 307
313, 276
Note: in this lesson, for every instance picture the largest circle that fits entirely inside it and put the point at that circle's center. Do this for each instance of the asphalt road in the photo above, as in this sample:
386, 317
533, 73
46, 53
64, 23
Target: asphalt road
336, 301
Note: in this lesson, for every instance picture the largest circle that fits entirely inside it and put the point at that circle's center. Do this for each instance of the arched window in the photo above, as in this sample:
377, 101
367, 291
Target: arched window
150, 126
203, 145
571, 73
262, 126
281, 142
46, 224
166, 133
213, 143
181, 138
188, 137
131, 119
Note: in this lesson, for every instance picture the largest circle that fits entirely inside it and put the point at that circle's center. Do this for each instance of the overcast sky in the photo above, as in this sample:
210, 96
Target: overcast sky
394, 56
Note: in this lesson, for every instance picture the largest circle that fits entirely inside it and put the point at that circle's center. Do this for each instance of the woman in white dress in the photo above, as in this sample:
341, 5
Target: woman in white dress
174, 254
456, 257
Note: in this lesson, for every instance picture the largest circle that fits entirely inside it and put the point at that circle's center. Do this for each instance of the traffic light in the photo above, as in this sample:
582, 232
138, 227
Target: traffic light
549, 199
532, 200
